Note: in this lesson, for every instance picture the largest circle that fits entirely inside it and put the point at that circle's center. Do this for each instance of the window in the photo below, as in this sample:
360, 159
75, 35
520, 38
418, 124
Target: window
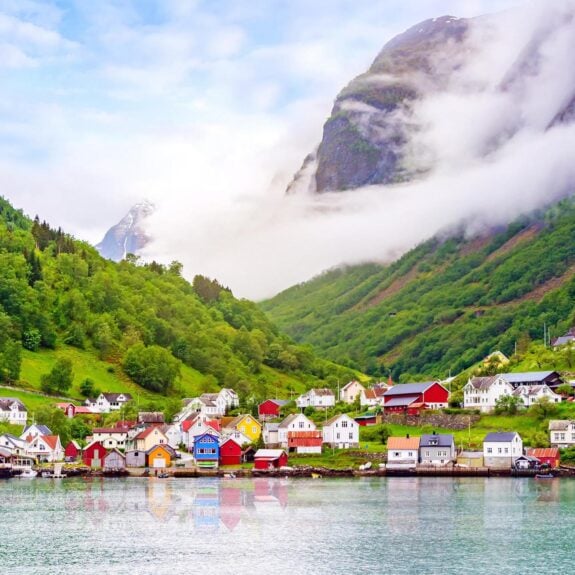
427, 454
301, 424
506, 450
396, 454
254, 429
499, 450
344, 423
337, 435
562, 436
351, 435
489, 450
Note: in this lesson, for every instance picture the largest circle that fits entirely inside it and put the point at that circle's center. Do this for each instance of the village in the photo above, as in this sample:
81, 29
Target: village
203, 437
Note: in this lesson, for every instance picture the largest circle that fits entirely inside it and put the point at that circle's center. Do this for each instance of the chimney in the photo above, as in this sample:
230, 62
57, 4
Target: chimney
434, 432
407, 436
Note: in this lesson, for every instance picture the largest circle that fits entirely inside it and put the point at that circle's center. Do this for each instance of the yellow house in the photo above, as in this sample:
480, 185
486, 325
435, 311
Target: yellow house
148, 438
246, 425
159, 456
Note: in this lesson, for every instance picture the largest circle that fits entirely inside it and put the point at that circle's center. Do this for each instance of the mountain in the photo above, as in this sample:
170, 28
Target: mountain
444, 305
137, 328
378, 127
129, 235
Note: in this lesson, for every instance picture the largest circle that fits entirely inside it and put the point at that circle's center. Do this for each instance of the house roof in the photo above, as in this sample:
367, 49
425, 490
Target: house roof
5, 452
500, 437
112, 397
278, 402
531, 389
268, 453
237, 420
540, 452
559, 424
42, 429
436, 440
51, 440
7, 402
349, 384
150, 417
401, 401
403, 443
271, 426
322, 391
146, 432
409, 388
229, 438
114, 450
527, 376
214, 424
482, 382
563, 339
111, 430
333, 419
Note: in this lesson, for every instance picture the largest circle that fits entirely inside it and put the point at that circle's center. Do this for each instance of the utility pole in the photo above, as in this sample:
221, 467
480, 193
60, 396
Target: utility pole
545, 334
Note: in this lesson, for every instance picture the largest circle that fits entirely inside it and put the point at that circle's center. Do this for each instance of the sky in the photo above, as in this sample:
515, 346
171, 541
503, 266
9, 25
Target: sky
207, 109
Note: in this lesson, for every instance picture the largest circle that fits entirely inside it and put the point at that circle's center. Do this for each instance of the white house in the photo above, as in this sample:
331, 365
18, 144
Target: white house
194, 426
110, 437
211, 404
46, 448
530, 394
15, 444
107, 402
483, 392
174, 434
13, 411
317, 398
402, 452
350, 391
230, 397
236, 435
293, 422
501, 449
270, 434
373, 396
341, 431
562, 433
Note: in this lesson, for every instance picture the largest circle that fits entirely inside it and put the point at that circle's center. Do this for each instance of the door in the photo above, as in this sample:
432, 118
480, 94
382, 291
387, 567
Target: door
158, 462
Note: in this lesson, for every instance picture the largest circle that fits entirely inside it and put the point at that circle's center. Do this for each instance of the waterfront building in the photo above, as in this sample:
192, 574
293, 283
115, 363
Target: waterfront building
437, 449
266, 459
501, 449
402, 452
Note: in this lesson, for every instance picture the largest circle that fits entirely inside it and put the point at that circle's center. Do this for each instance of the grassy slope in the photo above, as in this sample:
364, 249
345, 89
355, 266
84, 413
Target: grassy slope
442, 306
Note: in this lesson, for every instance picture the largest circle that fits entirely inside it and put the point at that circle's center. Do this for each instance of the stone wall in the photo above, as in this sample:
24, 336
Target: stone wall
435, 420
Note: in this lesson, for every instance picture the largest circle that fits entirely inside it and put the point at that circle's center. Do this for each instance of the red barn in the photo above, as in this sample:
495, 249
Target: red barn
270, 409
270, 459
412, 398
72, 451
230, 452
548, 455
93, 455
305, 441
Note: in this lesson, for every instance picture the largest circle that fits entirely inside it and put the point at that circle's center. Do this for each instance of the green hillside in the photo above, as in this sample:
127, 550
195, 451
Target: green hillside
444, 305
132, 327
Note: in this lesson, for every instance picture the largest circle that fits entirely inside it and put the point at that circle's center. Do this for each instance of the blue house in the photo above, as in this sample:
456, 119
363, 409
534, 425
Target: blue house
206, 450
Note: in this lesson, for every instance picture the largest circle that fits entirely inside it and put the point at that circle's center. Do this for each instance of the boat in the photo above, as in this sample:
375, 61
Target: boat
27, 474
316, 475
229, 475
163, 475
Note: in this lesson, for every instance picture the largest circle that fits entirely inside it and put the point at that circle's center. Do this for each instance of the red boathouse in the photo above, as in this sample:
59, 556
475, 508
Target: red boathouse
230, 452
266, 459
412, 398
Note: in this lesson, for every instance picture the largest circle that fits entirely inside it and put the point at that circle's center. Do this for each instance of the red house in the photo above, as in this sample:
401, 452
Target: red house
412, 398
72, 451
93, 455
548, 455
72, 410
270, 408
230, 452
270, 459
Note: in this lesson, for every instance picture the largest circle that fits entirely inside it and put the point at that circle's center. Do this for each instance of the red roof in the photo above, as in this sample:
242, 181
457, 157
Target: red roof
51, 440
145, 433
549, 452
214, 424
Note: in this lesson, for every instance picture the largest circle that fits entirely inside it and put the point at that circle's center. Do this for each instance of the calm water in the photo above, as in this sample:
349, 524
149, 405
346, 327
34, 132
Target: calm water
393, 526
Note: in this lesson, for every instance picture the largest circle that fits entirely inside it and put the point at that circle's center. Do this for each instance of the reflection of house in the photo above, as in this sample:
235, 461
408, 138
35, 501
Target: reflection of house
270, 459
436, 449
350, 391
341, 431
411, 398
562, 432
501, 449
317, 398
402, 452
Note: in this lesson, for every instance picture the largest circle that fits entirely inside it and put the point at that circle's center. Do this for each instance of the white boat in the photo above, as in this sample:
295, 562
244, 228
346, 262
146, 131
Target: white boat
27, 474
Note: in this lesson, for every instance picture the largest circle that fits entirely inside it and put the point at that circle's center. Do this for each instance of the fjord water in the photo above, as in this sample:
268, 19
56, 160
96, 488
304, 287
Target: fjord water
280, 526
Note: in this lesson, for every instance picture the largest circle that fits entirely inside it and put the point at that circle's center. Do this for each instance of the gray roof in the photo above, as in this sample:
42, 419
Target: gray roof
436, 440
483, 382
271, 426
43, 429
563, 339
559, 424
289, 419
405, 388
7, 402
401, 401
280, 402
526, 376
111, 397
500, 436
